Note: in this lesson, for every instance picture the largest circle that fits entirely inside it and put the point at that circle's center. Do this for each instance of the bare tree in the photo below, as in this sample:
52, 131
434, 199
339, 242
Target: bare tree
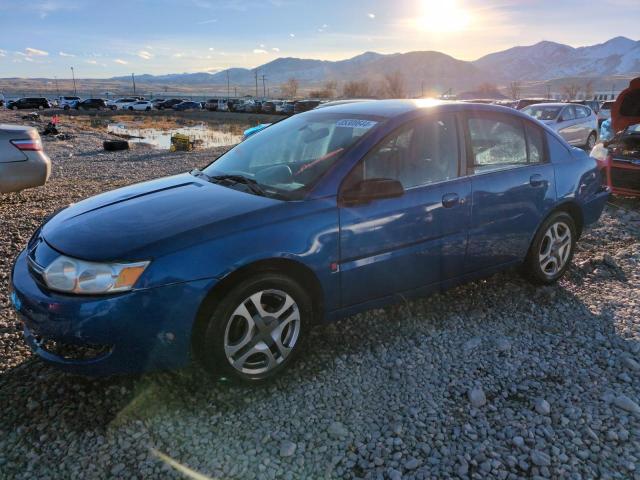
327, 91
357, 89
514, 90
570, 90
588, 90
290, 88
394, 85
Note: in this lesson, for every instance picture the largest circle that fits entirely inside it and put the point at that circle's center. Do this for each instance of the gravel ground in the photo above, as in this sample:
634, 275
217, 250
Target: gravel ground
495, 379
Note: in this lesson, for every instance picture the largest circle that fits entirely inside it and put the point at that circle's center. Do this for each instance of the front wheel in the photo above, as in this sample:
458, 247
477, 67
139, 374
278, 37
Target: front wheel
552, 249
256, 329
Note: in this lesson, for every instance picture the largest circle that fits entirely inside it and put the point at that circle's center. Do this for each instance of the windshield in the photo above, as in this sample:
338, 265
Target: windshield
291, 155
542, 113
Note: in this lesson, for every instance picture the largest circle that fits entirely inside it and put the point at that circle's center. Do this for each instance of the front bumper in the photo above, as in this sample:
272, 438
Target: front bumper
133, 332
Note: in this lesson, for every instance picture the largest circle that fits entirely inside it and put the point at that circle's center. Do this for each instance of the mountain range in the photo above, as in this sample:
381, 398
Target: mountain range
434, 70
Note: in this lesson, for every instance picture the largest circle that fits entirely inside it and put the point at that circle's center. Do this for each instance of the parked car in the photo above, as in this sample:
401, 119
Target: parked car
233, 103
268, 107
605, 112
577, 124
91, 104
305, 105
23, 163
143, 105
249, 106
525, 102
122, 103
28, 102
68, 102
322, 215
169, 104
157, 101
287, 108
620, 156
188, 105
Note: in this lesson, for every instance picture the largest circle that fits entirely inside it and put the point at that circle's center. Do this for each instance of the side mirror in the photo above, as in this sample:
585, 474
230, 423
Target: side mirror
366, 191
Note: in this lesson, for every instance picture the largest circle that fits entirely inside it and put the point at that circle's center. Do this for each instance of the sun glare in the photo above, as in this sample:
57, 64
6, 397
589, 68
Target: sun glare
443, 16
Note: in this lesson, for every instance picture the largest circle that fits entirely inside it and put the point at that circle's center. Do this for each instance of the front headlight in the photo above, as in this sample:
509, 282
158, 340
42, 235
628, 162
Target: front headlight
66, 274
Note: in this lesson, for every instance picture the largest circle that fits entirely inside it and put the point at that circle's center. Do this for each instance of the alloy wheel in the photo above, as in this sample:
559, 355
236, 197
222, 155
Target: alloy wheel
555, 249
262, 332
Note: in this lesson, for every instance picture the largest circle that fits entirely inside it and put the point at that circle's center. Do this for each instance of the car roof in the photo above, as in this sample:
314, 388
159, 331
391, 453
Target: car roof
396, 108
550, 104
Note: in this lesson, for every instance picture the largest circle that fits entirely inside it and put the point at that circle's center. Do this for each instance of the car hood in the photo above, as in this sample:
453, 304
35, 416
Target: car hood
147, 220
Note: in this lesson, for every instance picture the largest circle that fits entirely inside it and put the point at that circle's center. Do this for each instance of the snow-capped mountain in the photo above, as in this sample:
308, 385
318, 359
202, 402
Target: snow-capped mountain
547, 60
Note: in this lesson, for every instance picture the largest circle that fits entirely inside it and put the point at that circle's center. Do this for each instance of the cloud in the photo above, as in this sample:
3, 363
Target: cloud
178, 55
29, 59
92, 62
34, 52
3, 53
120, 61
205, 22
262, 45
371, 15
292, 35
211, 49
275, 49
145, 55
259, 50
65, 54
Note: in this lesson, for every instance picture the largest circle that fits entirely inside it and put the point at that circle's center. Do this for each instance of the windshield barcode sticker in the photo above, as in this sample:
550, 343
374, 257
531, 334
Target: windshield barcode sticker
354, 123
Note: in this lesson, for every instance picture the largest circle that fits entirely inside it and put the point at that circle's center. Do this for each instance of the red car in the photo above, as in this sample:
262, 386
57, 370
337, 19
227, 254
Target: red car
620, 157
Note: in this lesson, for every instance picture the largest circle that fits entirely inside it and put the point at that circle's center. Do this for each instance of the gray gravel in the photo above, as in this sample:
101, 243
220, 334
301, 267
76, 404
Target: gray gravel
389, 394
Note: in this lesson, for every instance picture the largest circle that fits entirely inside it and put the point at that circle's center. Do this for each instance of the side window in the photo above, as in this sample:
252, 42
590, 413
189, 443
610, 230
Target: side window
422, 153
568, 114
535, 143
581, 112
496, 142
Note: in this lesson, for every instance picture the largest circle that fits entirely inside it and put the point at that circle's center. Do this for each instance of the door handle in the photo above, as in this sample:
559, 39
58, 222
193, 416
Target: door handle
450, 200
536, 180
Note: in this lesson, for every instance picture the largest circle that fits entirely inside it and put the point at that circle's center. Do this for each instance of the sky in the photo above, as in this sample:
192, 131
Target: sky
100, 39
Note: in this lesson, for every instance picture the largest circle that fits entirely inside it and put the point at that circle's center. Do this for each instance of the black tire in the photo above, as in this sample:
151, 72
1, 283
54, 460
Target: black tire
115, 145
533, 268
131, 109
113, 108
14, 108
591, 141
148, 109
211, 337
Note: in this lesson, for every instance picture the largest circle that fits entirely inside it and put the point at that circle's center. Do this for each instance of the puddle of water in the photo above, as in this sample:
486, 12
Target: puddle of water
204, 135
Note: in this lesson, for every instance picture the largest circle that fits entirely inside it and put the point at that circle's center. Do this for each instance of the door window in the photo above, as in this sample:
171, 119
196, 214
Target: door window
568, 114
421, 153
497, 142
581, 112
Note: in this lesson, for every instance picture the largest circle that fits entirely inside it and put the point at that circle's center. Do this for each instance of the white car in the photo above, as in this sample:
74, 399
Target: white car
143, 105
605, 111
121, 103
68, 102
577, 124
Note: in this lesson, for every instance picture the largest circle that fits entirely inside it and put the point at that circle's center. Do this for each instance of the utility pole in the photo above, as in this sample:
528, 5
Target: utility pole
228, 89
255, 72
73, 75
422, 89
235, 92
264, 88
133, 79
57, 89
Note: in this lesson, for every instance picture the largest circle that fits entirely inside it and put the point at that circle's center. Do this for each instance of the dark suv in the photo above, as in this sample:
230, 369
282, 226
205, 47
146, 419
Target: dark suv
169, 104
92, 104
28, 102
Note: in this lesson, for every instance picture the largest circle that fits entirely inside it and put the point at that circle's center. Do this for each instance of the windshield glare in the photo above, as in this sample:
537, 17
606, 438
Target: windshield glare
291, 155
542, 113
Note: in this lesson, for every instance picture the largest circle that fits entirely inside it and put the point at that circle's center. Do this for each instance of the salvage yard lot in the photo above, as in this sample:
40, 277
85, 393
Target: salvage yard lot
554, 371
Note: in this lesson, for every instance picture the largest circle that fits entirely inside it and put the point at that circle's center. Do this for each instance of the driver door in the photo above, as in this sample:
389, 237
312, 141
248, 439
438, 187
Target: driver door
394, 245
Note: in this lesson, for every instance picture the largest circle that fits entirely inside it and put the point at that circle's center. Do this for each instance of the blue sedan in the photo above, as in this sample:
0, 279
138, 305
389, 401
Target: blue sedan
318, 217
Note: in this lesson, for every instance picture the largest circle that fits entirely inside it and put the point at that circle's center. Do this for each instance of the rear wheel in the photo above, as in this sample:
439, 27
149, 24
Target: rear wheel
552, 249
256, 329
14, 108
131, 109
591, 141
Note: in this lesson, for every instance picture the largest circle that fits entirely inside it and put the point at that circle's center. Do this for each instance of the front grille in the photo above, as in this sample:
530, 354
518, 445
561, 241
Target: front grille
626, 178
73, 352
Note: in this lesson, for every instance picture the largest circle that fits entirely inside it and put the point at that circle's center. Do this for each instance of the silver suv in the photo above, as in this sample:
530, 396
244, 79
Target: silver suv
23, 163
577, 124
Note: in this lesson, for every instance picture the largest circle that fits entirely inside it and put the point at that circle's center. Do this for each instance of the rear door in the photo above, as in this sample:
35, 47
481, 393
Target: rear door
399, 244
513, 186
583, 122
568, 126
